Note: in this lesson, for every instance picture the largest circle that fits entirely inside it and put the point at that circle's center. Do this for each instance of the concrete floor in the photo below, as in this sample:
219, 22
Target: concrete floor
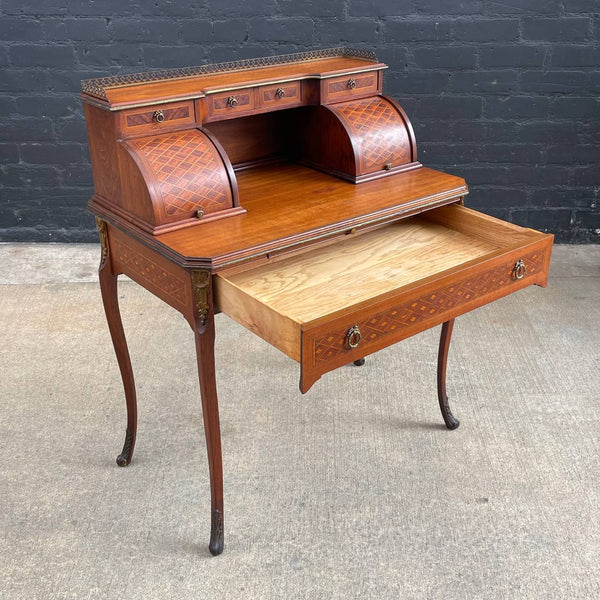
354, 490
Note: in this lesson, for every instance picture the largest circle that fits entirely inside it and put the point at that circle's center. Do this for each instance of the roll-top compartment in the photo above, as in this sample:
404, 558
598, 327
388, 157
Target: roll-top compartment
358, 140
177, 179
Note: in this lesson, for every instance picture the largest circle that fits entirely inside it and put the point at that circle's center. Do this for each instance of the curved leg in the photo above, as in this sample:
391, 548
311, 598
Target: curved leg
451, 421
205, 354
110, 299
359, 362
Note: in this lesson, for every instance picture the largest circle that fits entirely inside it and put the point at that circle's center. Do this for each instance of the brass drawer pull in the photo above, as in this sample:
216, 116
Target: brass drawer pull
158, 116
280, 93
519, 269
351, 83
232, 101
353, 336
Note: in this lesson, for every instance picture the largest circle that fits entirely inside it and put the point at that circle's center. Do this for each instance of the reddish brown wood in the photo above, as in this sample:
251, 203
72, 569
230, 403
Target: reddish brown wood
152, 271
205, 341
253, 139
188, 179
124, 96
347, 87
229, 105
158, 118
280, 95
451, 421
102, 133
291, 205
151, 175
110, 299
358, 140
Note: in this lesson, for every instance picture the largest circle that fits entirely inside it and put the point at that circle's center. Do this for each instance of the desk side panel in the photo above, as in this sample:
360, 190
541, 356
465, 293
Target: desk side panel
155, 273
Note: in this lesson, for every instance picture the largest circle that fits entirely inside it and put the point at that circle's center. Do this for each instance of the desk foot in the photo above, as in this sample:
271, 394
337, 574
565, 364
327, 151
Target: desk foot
125, 457
216, 533
449, 419
359, 362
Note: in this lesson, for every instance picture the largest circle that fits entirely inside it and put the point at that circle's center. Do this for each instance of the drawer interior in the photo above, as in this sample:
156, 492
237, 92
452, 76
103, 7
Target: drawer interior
276, 299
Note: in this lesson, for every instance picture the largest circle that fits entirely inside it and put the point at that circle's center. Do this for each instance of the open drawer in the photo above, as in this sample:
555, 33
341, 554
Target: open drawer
336, 303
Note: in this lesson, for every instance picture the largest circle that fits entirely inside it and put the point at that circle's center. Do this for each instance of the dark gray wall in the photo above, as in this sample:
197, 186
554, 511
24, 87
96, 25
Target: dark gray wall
502, 93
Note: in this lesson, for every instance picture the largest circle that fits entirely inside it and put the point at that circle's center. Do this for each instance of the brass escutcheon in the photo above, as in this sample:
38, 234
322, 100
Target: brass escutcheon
387, 166
519, 269
351, 83
280, 93
232, 101
353, 336
199, 213
158, 116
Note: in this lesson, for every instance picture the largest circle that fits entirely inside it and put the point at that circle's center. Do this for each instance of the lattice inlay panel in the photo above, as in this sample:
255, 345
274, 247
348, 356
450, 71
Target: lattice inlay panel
151, 272
188, 170
379, 132
438, 302
170, 114
361, 81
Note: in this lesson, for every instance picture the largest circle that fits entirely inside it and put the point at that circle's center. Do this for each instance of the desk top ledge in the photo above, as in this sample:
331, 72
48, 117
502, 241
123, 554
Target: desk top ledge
121, 91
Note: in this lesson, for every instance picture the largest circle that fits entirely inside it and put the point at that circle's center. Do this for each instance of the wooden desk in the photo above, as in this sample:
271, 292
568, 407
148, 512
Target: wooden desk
286, 193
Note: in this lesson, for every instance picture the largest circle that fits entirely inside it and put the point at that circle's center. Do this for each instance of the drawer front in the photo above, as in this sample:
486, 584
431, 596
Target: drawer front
337, 342
228, 105
157, 118
339, 89
280, 95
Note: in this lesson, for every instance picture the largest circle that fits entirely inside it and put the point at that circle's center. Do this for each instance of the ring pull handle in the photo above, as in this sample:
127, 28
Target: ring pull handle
232, 101
158, 116
280, 93
351, 83
519, 269
353, 336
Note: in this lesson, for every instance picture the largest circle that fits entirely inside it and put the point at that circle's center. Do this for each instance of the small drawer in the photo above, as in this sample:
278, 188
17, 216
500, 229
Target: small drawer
228, 105
280, 95
157, 118
335, 304
346, 87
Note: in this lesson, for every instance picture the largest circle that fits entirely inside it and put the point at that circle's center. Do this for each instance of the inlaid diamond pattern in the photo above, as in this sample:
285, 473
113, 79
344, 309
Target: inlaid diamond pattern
437, 302
189, 171
148, 270
379, 132
361, 82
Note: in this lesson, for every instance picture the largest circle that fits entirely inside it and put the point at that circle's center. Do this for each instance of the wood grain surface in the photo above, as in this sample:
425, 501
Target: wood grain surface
279, 301
321, 281
121, 97
299, 203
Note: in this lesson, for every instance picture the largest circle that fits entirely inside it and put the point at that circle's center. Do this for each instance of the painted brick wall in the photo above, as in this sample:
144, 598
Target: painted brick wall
505, 94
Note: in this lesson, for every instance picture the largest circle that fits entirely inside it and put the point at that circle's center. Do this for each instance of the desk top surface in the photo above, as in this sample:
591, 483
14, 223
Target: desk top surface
288, 204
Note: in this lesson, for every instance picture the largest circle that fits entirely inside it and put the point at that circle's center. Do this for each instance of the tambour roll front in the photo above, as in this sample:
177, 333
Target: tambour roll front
286, 193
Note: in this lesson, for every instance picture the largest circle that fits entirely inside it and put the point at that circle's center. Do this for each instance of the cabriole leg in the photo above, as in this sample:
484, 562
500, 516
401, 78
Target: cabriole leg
204, 333
110, 299
212, 431
451, 421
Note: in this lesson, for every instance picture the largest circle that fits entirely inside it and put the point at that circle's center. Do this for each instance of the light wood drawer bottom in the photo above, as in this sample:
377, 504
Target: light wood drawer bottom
387, 284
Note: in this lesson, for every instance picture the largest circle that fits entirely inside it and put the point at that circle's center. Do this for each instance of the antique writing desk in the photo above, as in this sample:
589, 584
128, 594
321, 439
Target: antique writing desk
286, 193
